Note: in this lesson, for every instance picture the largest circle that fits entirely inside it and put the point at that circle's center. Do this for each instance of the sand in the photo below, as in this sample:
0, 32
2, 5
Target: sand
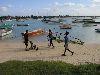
87, 53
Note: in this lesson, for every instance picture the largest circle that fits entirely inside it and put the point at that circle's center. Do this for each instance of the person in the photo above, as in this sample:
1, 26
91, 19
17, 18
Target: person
66, 44
50, 38
26, 39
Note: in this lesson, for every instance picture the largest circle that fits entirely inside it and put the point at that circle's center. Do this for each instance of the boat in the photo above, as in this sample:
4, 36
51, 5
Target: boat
22, 24
64, 26
5, 29
88, 20
77, 21
4, 32
6, 26
97, 30
36, 32
95, 25
55, 21
88, 24
8, 20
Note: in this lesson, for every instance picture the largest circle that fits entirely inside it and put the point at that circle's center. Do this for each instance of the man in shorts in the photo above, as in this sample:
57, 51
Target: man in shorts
66, 44
26, 39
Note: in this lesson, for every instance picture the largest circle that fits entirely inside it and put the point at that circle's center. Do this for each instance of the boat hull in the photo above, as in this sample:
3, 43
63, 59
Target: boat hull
5, 33
36, 32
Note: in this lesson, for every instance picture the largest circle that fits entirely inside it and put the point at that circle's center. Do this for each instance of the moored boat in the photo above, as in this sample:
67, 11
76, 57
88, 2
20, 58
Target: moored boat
97, 30
6, 26
22, 24
9, 20
65, 26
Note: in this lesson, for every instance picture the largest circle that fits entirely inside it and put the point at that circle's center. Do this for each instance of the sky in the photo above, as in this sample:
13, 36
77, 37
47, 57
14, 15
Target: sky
50, 7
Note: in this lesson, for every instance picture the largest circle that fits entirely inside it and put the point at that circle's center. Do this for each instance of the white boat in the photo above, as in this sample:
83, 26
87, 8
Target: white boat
4, 32
8, 20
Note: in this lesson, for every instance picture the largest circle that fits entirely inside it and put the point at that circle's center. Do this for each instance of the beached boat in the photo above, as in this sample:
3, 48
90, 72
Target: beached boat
36, 32
22, 24
65, 26
4, 32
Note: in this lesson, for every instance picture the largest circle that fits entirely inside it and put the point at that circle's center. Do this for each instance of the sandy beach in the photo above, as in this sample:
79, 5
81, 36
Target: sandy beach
87, 53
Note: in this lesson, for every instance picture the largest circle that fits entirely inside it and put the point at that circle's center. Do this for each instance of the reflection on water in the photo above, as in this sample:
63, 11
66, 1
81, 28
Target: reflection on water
84, 33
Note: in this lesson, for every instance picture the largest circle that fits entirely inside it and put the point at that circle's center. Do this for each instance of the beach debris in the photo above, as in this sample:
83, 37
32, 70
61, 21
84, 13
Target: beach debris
33, 46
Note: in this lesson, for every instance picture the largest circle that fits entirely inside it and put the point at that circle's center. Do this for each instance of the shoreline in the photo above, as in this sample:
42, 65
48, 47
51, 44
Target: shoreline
87, 53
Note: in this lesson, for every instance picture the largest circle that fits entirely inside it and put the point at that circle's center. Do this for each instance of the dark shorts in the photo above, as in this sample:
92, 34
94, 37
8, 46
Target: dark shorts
50, 40
66, 45
26, 43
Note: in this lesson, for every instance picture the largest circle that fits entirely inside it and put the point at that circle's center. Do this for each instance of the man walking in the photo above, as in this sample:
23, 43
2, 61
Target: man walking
66, 44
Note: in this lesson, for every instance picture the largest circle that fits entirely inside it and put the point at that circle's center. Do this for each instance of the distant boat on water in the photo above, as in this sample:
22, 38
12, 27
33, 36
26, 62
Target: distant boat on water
6, 26
54, 20
65, 26
97, 30
77, 21
22, 24
8, 20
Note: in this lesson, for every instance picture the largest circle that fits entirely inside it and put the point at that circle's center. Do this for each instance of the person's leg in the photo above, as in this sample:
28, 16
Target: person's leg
26, 43
68, 49
64, 50
52, 43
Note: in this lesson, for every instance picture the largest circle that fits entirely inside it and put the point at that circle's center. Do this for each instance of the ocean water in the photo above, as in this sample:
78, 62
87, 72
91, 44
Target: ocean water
86, 34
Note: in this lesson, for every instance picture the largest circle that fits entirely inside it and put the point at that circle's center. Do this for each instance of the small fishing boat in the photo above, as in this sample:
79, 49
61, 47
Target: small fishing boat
22, 24
6, 26
4, 32
64, 26
36, 32
88, 20
8, 20
95, 25
77, 21
97, 30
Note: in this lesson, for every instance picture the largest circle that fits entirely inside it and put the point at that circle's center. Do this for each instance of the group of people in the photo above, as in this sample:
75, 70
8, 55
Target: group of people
50, 36
26, 40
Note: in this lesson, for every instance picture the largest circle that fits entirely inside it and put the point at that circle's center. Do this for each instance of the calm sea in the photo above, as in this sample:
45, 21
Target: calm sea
86, 34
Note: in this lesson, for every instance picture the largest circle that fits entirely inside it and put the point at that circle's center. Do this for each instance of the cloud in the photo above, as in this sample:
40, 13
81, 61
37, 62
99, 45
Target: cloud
95, 3
3, 9
10, 6
69, 8
64, 9
96, 0
74, 9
